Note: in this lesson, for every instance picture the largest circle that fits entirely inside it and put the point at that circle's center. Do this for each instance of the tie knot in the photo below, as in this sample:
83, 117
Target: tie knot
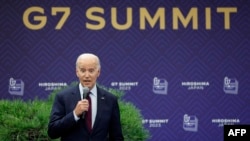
88, 94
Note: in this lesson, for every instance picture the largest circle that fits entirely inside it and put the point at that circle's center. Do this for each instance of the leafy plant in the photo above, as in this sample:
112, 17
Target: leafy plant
28, 120
21, 120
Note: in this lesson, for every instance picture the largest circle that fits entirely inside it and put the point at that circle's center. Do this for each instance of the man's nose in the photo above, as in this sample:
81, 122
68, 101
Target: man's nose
87, 73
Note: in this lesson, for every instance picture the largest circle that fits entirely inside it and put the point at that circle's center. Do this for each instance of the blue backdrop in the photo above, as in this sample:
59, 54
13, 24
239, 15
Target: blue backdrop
184, 64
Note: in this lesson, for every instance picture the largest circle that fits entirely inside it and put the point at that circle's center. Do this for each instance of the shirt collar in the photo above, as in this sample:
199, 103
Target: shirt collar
93, 90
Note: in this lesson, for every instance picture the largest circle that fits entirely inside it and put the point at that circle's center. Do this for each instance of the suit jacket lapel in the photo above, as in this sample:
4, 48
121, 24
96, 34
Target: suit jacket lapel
76, 94
100, 106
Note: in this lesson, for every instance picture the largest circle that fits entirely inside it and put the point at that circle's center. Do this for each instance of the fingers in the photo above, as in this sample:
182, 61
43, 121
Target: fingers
81, 107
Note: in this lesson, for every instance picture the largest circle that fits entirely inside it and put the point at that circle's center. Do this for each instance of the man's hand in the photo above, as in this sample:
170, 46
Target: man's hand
81, 106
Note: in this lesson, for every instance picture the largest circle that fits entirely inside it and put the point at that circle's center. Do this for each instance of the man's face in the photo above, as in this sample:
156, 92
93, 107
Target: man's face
87, 71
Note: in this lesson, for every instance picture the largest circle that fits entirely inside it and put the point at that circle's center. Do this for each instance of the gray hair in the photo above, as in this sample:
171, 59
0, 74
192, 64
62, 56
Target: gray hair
89, 55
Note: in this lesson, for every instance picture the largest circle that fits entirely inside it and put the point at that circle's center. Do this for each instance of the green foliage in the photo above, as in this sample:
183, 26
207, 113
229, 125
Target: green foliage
23, 121
28, 120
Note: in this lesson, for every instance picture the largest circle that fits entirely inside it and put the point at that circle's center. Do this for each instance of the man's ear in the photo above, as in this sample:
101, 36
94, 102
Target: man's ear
77, 73
99, 72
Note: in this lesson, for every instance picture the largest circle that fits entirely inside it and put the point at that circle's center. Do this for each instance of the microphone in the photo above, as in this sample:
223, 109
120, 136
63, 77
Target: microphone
84, 95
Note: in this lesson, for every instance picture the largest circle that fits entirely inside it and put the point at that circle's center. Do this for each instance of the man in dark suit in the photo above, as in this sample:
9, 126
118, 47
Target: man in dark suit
70, 109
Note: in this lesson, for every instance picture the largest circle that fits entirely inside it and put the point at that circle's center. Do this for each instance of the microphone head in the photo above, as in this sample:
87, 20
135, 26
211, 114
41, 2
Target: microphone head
85, 91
